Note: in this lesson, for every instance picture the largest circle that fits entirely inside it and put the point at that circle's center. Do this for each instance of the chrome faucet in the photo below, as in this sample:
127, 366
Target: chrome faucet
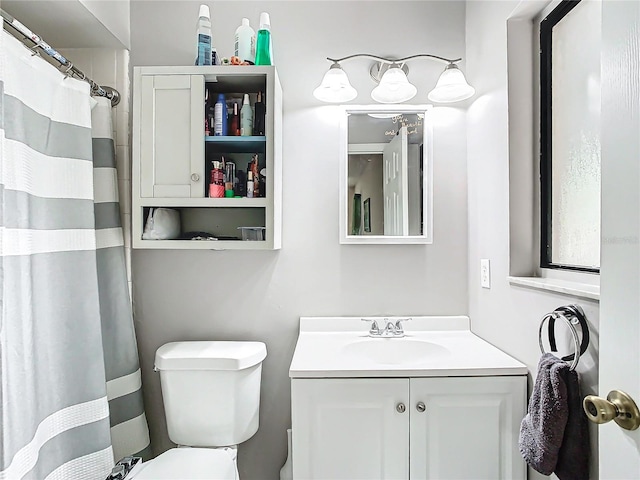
392, 328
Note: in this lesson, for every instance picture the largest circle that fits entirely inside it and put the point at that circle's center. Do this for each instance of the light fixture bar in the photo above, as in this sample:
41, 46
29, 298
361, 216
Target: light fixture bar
394, 60
393, 84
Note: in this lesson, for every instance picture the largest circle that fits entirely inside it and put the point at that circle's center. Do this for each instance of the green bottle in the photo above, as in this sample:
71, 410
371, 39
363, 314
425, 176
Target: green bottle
264, 53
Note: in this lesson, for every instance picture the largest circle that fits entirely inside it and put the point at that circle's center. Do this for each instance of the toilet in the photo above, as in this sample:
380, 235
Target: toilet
211, 395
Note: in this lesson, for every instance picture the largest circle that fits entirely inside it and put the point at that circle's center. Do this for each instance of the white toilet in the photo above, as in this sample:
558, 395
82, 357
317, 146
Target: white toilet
211, 394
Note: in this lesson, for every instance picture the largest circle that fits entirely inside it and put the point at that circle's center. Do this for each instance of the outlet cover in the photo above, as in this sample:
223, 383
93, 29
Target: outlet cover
485, 273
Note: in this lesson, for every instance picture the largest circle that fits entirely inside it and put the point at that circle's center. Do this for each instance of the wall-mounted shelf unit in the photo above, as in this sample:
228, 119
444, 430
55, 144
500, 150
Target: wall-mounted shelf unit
172, 155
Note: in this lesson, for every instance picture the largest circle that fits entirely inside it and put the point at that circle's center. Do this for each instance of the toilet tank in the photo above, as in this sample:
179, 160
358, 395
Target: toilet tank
211, 391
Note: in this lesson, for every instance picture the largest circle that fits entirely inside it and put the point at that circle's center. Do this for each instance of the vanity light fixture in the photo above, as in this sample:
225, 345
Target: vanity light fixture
393, 84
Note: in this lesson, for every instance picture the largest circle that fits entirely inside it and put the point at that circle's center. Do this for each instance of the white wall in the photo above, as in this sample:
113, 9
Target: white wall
507, 316
182, 295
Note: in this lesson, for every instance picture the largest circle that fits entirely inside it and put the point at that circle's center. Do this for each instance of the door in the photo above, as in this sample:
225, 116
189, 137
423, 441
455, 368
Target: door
395, 185
466, 428
350, 429
172, 136
619, 361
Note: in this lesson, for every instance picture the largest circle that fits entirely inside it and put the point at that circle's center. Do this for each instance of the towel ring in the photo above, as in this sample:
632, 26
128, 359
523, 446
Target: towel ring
576, 341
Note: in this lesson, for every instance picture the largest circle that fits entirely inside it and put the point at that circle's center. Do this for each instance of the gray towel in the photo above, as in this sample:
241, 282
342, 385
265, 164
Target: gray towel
553, 434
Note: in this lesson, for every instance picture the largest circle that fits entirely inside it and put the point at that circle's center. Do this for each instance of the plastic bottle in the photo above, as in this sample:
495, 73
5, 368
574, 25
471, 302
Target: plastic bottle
220, 116
246, 117
203, 30
245, 42
235, 121
258, 119
264, 52
249, 184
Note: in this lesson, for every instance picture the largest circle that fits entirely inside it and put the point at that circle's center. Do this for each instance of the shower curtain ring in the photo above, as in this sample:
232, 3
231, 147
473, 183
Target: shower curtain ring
34, 52
68, 72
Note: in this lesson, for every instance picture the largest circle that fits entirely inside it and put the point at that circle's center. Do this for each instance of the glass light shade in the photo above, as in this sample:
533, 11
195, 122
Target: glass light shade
451, 86
335, 87
394, 87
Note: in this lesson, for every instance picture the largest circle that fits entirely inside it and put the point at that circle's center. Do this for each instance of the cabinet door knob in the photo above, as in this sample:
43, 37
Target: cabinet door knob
400, 408
421, 407
195, 177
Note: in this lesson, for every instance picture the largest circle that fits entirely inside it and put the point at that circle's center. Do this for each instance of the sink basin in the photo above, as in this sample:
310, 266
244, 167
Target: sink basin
395, 351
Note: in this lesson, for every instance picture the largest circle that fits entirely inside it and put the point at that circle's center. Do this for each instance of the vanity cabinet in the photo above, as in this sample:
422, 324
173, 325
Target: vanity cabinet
408, 428
172, 156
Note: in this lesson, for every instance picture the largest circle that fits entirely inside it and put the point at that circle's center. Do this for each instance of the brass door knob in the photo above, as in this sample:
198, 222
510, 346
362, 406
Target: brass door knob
618, 407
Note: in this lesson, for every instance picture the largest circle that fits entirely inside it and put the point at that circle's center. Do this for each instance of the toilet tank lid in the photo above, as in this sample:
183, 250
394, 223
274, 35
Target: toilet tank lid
214, 355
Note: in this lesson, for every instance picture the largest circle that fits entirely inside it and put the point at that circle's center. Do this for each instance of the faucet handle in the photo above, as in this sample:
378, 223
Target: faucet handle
375, 329
399, 329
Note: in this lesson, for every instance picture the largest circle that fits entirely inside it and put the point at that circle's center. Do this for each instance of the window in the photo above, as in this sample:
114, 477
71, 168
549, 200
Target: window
570, 136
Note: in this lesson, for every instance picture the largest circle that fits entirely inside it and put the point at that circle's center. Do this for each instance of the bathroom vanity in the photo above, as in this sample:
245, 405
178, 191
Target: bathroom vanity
438, 403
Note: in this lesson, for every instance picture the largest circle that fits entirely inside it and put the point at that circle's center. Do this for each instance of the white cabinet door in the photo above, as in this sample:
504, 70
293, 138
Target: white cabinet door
350, 429
469, 429
172, 136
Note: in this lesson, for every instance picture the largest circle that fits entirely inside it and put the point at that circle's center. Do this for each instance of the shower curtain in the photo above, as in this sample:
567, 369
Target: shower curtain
69, 377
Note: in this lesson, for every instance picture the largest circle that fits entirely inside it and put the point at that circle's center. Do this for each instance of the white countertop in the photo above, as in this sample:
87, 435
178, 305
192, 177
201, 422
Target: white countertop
327, 348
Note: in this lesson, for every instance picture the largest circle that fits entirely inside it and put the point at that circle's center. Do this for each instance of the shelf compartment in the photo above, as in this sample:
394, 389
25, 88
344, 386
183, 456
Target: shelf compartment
219, 222
243, 202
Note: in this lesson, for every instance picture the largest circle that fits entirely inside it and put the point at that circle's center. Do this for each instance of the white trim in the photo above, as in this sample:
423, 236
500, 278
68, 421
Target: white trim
29, 242
55, 424
109, 237
557, 285
96, 465
121, 386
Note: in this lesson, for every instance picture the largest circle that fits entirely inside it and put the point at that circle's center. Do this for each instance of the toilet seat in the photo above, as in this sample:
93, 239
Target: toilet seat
189, 464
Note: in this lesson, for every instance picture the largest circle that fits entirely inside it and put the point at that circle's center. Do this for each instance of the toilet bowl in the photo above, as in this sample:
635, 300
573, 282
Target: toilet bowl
189, 464
211, 396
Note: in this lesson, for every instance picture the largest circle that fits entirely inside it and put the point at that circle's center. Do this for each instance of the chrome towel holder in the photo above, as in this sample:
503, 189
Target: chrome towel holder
572, 315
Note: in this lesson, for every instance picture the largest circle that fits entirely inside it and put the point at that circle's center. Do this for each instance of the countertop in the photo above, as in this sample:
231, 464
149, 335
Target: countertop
432, 346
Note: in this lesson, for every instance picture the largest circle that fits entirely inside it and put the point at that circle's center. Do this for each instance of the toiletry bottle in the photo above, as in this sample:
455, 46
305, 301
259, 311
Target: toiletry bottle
264, 53
245, 42
256, 177
246, 117
258, 116
249, 184
216, 187
203, 30
220, 116
235, 121
229, 179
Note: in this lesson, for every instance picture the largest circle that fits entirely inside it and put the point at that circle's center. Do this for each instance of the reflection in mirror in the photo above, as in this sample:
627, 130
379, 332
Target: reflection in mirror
386, 195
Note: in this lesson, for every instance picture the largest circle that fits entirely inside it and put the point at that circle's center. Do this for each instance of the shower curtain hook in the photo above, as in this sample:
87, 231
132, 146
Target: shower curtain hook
68, 72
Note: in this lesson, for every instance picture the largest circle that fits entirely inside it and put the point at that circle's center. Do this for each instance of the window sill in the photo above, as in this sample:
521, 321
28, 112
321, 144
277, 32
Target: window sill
565, 287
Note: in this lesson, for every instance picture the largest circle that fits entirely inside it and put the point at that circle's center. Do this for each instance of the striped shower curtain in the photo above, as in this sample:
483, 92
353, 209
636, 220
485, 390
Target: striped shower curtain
69, 378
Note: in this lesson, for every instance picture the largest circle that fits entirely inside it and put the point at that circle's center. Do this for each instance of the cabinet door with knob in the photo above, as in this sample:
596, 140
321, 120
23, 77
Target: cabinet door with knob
171, 144
350, 429
441, 428
467, 428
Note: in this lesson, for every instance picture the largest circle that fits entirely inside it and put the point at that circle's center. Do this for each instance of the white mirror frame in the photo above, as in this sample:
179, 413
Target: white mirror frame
427, 180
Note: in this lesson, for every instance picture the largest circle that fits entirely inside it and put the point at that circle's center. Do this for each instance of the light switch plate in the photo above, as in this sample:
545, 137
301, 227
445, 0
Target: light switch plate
485, 273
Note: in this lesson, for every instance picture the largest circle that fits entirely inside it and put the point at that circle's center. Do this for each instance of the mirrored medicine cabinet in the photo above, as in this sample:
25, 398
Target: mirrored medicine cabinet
386, 174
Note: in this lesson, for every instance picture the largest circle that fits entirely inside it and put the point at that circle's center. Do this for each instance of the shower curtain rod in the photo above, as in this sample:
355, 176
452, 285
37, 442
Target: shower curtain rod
68, 68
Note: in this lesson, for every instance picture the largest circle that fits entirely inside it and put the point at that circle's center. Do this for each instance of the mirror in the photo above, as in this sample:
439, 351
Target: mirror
385, 184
